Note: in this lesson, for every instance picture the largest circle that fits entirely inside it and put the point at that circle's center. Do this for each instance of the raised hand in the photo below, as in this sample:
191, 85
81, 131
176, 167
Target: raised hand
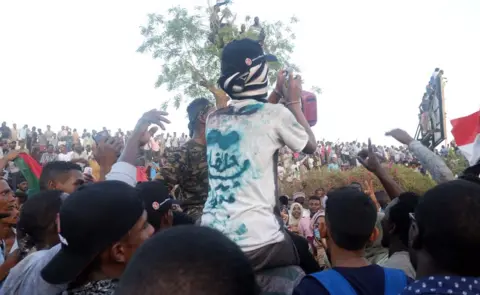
369, 159
106, 152
152, 117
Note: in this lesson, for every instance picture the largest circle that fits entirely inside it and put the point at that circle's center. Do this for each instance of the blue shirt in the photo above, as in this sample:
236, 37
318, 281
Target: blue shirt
454, 285
333, 166
367, 280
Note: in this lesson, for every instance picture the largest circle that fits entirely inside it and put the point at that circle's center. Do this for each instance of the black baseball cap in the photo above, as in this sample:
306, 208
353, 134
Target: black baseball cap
241, 55
91, 219
156, 200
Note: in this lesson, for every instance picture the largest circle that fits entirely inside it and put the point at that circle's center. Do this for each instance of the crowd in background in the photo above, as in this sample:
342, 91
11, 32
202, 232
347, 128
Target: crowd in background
68, 144
225, 229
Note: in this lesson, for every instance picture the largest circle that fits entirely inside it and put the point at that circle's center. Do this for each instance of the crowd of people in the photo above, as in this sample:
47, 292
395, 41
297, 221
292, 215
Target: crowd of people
68, 145
210, 220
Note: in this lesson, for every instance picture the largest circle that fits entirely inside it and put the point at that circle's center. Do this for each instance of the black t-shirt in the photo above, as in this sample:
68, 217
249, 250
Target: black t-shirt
367, 280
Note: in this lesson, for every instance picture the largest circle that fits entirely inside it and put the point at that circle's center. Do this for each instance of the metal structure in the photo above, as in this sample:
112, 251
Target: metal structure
431, 130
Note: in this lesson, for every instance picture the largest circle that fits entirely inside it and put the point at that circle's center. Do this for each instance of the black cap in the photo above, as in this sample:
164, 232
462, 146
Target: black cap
240, 55
156, 200
91, 219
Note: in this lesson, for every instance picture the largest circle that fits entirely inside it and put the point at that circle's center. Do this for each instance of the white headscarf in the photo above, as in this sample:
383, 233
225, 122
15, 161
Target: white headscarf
292, 220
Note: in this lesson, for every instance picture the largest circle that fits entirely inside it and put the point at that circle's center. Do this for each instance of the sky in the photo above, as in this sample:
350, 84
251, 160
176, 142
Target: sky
75, 62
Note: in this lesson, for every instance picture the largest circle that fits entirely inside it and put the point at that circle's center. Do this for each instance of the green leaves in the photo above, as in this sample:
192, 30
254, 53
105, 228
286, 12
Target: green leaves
182, 40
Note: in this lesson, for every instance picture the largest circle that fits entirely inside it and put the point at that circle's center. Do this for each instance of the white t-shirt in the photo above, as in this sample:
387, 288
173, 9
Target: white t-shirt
241, 143
65, 157
75, 155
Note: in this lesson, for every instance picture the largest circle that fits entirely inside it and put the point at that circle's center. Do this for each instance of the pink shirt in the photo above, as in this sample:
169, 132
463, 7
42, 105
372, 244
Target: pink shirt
304, 228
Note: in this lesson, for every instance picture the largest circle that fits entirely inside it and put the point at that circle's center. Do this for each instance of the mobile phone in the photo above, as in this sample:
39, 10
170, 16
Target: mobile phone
316, 233
88, 170
286, 73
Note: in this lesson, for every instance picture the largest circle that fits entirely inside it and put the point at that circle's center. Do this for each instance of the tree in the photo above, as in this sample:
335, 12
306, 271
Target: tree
190, 46
456, 162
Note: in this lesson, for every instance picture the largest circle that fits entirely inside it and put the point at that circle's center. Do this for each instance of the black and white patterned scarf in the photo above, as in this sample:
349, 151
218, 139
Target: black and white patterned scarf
104, 287
252, 84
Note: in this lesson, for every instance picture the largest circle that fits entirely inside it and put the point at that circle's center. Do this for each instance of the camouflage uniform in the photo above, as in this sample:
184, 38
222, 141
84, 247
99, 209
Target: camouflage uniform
187, 167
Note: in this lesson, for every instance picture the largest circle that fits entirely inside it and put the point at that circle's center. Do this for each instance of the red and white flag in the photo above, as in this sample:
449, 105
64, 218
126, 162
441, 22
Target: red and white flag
466, 131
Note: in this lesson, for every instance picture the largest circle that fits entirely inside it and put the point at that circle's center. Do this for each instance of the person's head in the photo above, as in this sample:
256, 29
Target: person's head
23, 185
12, 145
50, 149
21, 143
256, 20
244, 70
63, 127
350, 221
37, 226
209, 263
314, 204
283, 200
356, 185
198, 111
61, 175
445, 230
48, 127
320, 192
299, 197
158, 205
34, 128
296, 211
396, 222
25, 126
6, 193
88, 148
14, 126
100, 227
8, 208
62, 148
243, 28
40, 131
437, 69
4, 124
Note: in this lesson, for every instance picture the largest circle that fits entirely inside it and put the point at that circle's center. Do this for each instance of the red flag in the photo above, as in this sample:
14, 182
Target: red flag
31, 170
466, 131
34, 166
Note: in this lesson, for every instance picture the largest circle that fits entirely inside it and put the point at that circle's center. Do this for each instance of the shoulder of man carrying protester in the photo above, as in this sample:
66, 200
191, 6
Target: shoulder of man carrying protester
186, 166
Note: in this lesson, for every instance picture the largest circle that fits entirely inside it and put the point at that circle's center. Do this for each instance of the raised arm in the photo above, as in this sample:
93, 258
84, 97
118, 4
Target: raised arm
294, 105
125, 170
